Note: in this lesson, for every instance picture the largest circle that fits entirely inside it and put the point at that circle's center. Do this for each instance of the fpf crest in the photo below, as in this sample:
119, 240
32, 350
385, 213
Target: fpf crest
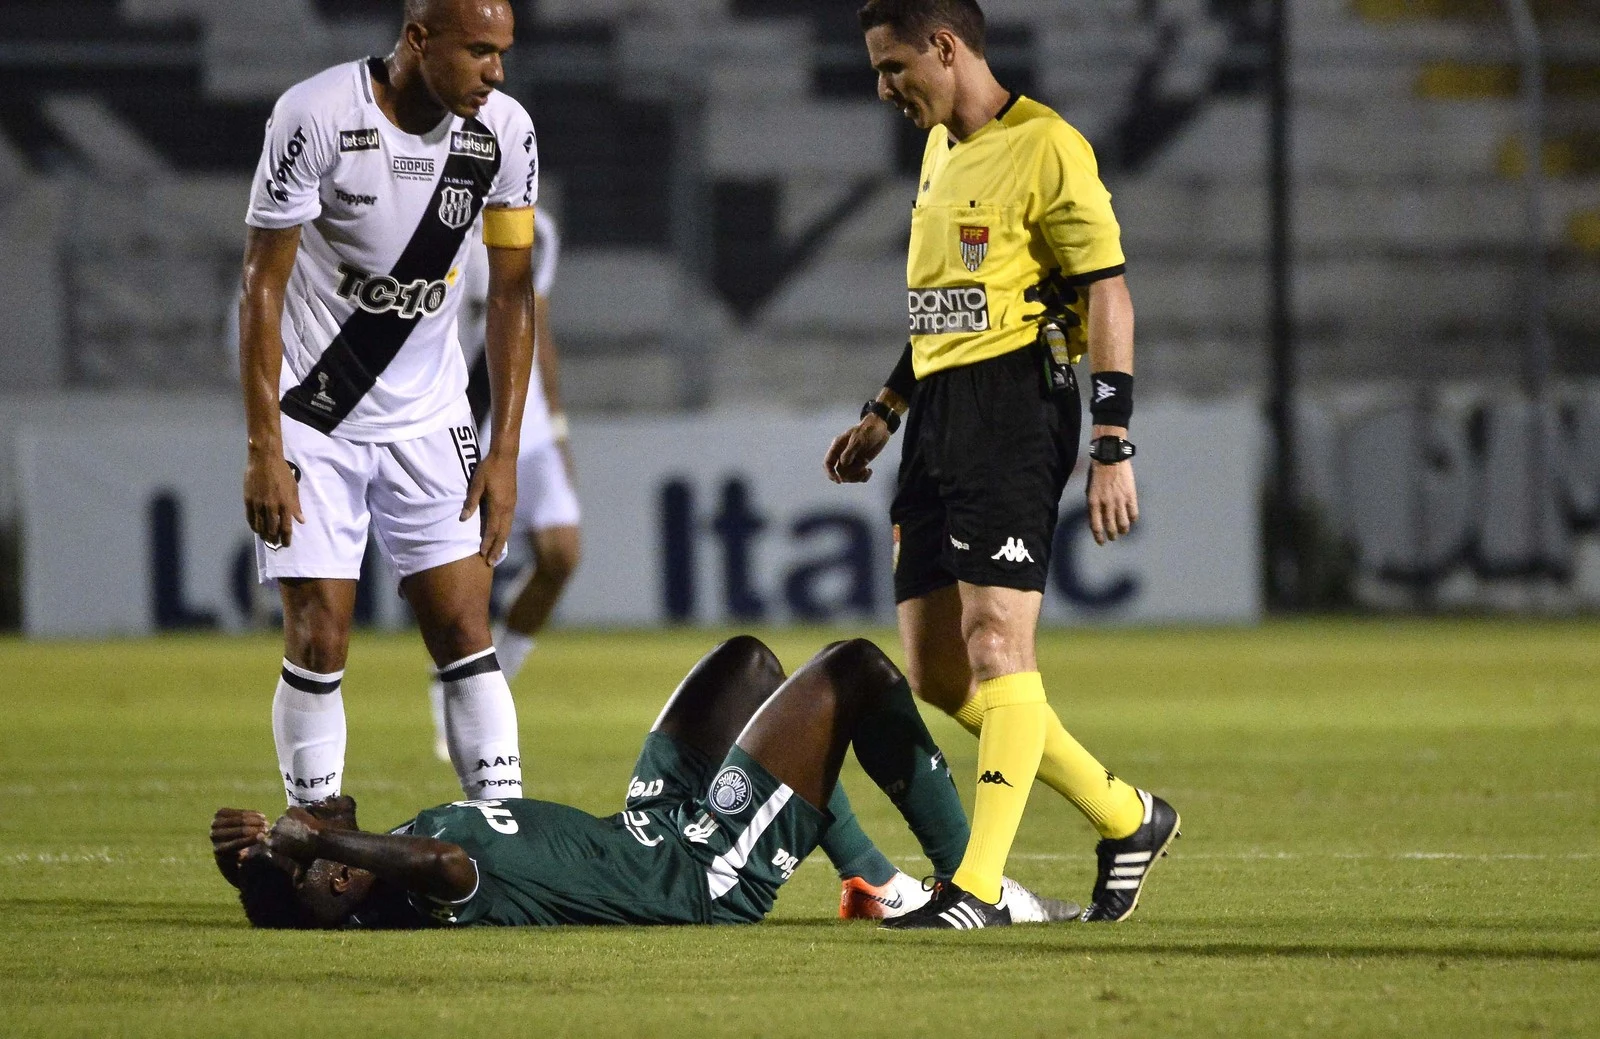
974, 246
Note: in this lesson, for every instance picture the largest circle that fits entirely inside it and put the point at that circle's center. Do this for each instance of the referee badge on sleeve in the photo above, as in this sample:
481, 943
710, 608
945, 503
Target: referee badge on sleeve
974, 246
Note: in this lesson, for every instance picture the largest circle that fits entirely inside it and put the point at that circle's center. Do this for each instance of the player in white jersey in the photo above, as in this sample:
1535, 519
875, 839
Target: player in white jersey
378, 179
547, 506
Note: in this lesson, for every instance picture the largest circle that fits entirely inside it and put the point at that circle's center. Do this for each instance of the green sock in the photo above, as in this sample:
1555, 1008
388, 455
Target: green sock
897, 751
849, 848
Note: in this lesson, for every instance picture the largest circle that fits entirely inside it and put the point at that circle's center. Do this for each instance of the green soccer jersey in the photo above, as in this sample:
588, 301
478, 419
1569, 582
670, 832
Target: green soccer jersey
698, 842
542, 864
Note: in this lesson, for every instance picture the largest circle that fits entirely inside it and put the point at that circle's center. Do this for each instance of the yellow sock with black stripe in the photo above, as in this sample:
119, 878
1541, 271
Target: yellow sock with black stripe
1112, 805
1009, 748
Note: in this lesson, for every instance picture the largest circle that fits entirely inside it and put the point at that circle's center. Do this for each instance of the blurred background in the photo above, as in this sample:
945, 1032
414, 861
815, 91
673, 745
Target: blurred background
1363, 241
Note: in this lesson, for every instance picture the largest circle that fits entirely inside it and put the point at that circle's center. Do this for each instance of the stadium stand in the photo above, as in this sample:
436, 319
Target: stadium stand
734, 197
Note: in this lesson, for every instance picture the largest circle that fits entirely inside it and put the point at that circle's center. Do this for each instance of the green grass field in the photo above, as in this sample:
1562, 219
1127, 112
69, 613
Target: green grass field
1389, 829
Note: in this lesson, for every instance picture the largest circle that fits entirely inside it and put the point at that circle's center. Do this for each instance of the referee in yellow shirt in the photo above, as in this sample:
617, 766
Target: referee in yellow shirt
1015, 271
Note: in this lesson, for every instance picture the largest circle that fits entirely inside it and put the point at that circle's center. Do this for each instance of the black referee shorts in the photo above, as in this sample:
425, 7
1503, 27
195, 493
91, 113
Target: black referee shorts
987, 452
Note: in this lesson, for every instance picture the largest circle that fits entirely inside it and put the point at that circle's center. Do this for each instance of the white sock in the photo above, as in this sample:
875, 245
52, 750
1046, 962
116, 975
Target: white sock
480, 724
512, 647
436, 703
308, 730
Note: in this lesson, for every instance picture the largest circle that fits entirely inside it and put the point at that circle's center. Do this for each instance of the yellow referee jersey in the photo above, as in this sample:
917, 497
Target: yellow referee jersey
1002, 219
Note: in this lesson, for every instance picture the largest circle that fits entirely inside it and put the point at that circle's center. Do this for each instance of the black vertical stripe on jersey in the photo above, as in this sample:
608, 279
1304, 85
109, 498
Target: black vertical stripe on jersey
367, 342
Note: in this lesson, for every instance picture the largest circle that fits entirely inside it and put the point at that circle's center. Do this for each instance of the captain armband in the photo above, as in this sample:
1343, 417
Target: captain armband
1111, 398
508, 228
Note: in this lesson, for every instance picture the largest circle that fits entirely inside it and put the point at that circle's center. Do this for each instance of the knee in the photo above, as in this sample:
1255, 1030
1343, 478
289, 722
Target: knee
946, 688
861, 661
558, 557
451, 639
992, 647
315, 639
751, 656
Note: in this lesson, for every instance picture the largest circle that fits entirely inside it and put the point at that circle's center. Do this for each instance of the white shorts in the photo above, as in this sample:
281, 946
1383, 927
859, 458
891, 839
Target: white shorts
409, 492
545, 497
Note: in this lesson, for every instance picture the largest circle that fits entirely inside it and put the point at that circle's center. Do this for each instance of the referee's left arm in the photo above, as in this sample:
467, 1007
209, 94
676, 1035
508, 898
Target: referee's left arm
1113, 496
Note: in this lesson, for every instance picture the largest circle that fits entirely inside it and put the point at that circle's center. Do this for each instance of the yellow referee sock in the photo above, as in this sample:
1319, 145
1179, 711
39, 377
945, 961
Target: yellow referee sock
1009, 748
1112, 805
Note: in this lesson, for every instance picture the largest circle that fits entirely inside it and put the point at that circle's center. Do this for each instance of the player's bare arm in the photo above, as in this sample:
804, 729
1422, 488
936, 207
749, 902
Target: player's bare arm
271, 499
1113, 497
423, 865
509, 346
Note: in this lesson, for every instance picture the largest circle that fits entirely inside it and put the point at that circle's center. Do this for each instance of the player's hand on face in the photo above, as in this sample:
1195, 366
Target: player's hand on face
1113, 501
494, 487
234, 831
271, 498
851, 453
294, 835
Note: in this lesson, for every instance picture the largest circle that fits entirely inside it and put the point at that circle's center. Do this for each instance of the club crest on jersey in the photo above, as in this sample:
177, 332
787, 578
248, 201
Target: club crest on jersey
473, 145
974, 246
730, 791
455, 207
362, 140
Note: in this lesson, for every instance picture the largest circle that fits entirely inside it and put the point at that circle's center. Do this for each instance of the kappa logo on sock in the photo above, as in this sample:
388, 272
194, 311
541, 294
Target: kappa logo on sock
994, 776
1110, 779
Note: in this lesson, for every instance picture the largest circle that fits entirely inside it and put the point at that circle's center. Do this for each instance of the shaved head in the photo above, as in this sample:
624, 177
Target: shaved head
439, 14
448, 57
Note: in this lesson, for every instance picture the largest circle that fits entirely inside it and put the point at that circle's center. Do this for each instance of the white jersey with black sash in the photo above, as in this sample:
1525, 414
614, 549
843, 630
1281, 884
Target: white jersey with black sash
387, 221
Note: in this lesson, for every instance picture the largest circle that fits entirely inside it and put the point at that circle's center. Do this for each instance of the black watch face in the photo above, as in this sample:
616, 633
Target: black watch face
1109, 450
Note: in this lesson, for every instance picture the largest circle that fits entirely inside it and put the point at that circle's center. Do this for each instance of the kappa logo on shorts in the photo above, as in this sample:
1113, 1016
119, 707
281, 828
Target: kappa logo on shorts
730, 791
962, 545
1013, 551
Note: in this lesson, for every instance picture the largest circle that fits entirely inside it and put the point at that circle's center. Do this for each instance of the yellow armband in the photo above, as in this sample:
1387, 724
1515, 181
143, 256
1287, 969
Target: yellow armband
508, 228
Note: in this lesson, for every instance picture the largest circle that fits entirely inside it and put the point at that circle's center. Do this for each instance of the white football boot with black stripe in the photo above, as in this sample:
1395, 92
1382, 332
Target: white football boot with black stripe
1029, 908
952, 909
1125, 863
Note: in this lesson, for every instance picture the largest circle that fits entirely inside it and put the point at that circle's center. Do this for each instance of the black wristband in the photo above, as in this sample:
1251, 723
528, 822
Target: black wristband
883, 411
1111, 398
903, 380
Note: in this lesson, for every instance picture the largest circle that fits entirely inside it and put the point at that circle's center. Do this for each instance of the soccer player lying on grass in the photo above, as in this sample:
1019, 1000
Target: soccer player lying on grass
727, 798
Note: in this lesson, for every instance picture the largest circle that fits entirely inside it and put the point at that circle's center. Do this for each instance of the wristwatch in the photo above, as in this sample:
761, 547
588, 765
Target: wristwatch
883, 411
1110, 450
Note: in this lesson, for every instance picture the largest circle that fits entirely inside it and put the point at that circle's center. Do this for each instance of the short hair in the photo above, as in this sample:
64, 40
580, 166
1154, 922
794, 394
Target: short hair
915, 21
268, 893
268, 896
